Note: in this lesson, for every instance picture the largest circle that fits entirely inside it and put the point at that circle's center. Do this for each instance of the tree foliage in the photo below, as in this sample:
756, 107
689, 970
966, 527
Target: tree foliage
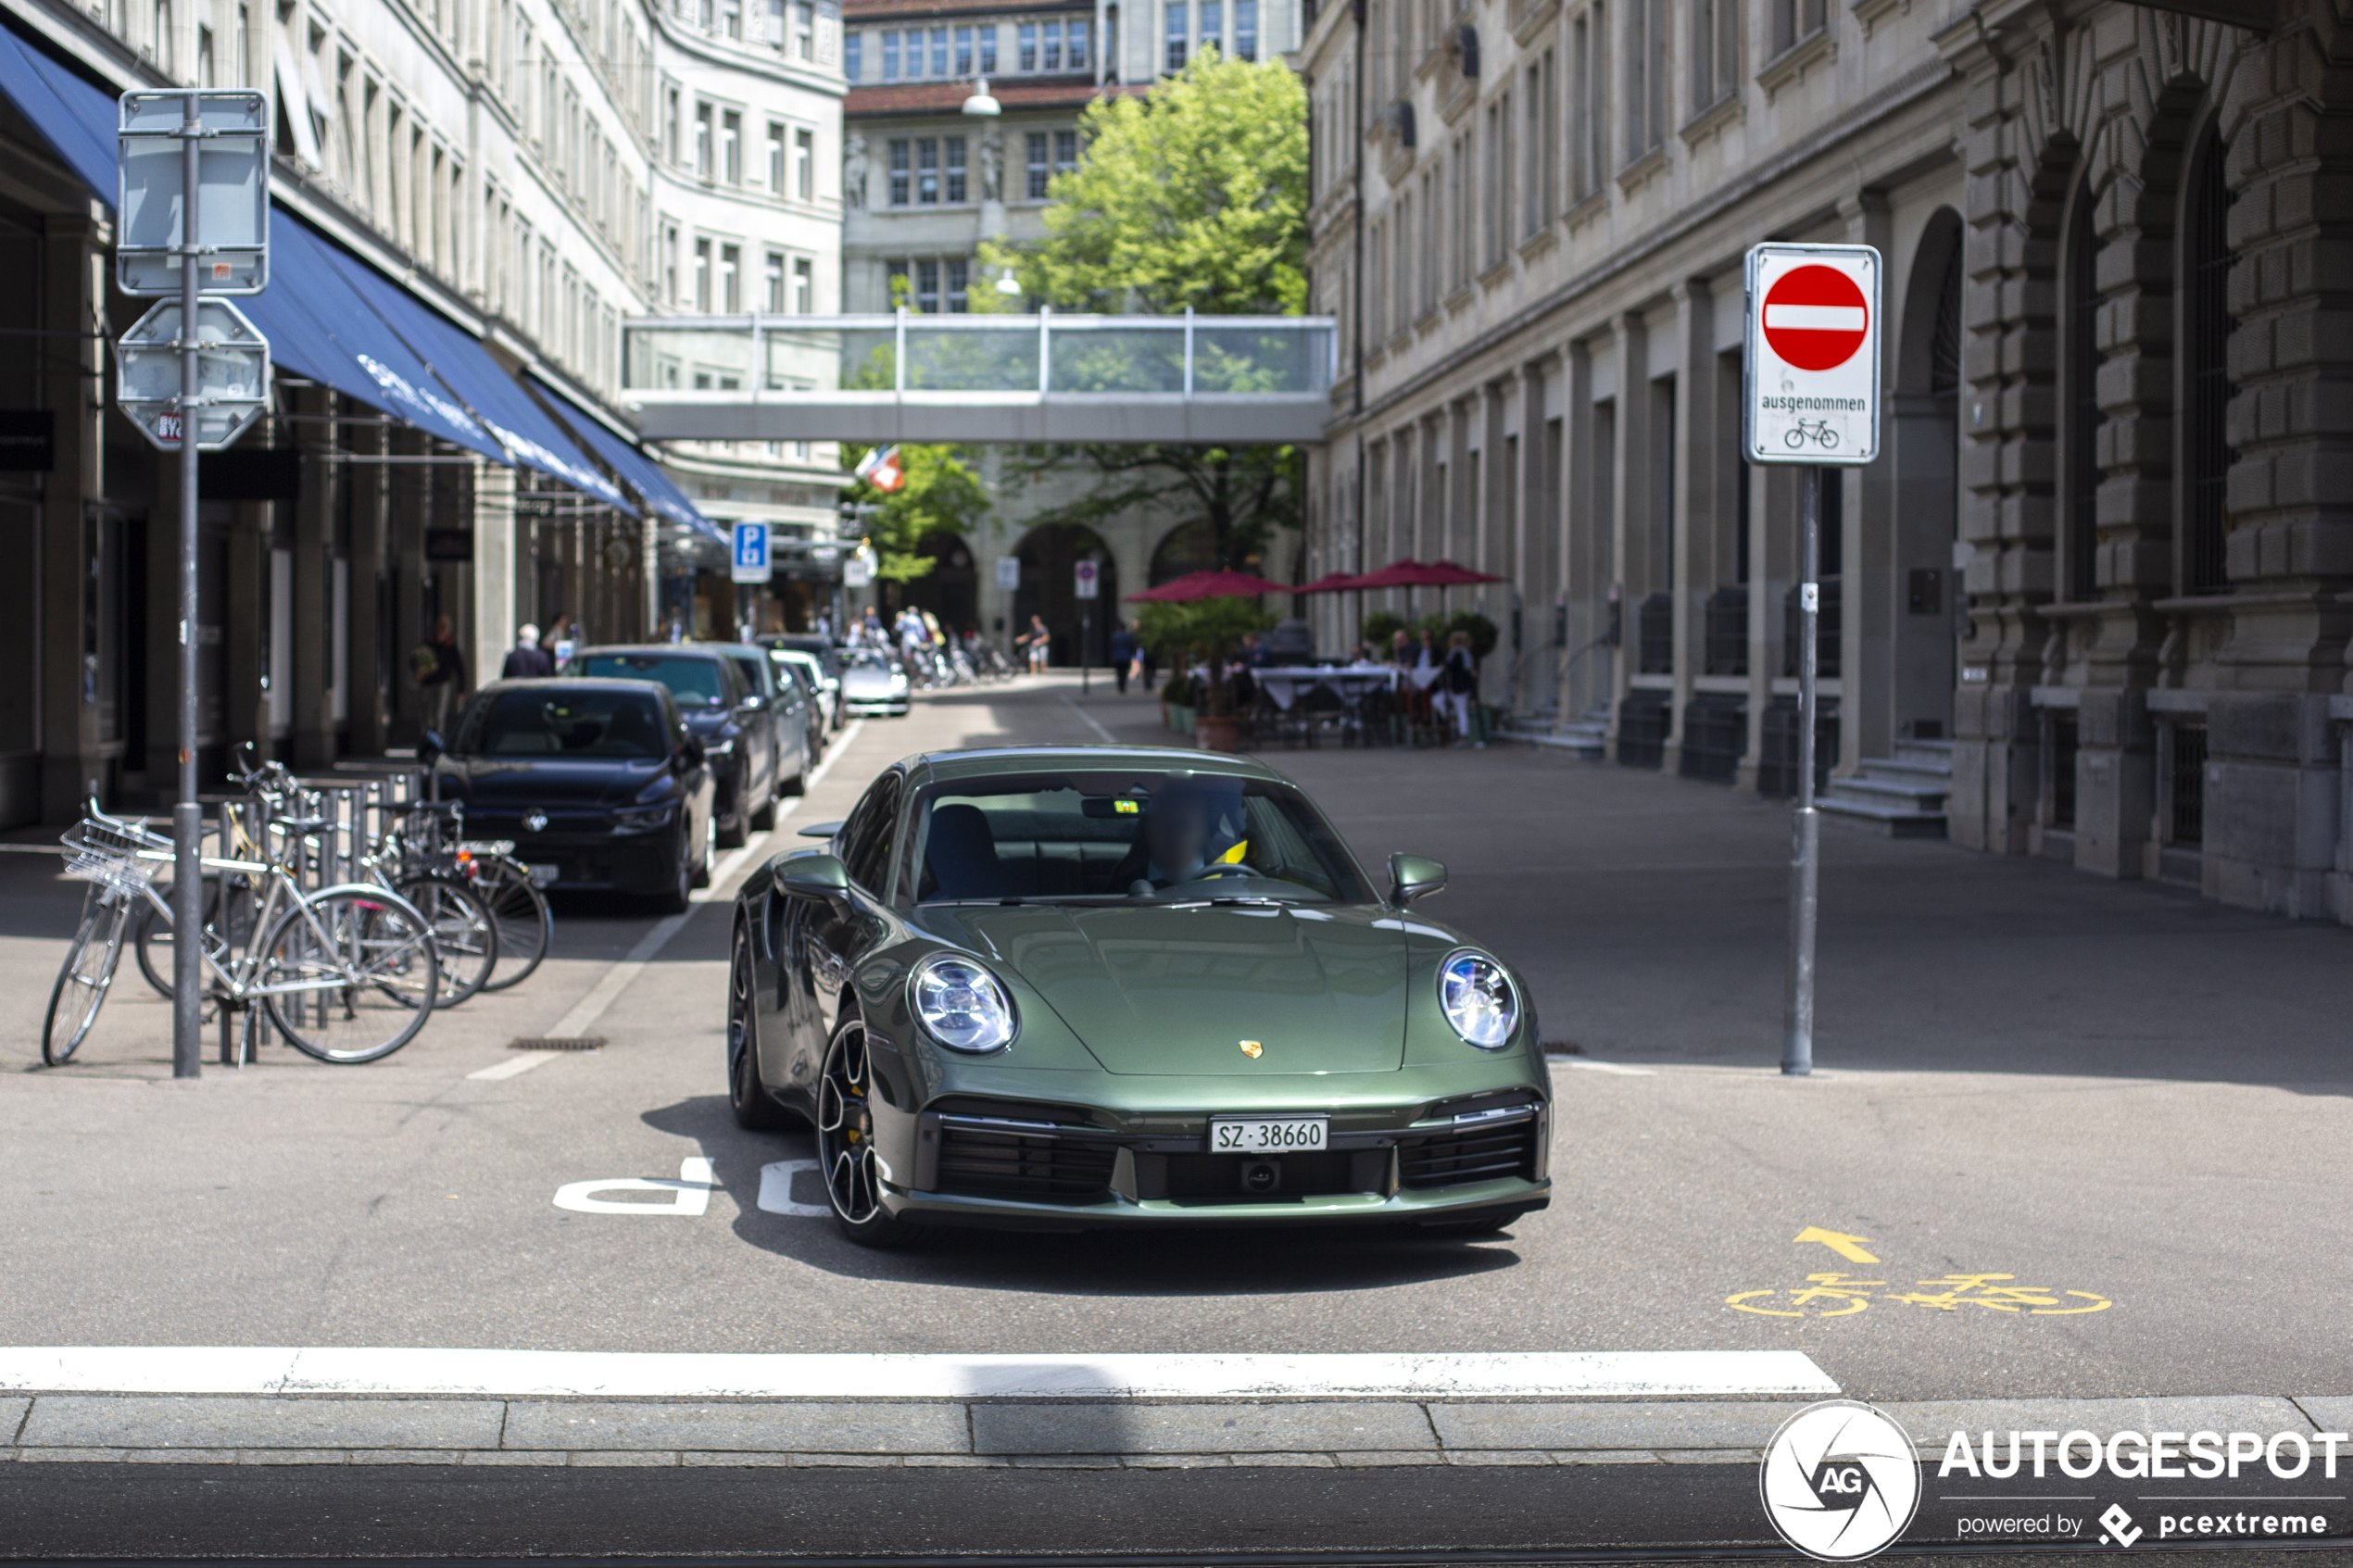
941, 492
1194, 194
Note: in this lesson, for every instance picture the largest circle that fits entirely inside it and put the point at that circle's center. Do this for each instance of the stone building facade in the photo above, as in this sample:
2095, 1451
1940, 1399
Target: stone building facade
2094, 599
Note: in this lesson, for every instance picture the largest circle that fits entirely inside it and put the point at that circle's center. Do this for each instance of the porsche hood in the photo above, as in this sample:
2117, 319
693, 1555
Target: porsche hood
1164, 989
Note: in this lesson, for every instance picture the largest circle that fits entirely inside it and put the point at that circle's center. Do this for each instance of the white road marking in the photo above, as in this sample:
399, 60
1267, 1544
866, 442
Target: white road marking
1587, 1065
776, 1190
1086, 718
616, 980
173, 1369
689, 1195
515, 1066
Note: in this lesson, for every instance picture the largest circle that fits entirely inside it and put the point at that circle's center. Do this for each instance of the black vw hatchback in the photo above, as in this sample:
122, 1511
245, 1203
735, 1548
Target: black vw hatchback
601, 783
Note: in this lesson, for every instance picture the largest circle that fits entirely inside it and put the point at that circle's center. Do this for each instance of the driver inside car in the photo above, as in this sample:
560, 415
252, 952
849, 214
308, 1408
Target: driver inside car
1188, 829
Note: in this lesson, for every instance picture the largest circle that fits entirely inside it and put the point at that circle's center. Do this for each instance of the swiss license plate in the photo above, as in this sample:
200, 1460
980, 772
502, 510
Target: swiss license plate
1265, 1135
542, 875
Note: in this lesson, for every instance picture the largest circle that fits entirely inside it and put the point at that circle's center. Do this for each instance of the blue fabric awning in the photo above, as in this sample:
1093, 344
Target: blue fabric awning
79, 121
319, 325
502, 406
640, 471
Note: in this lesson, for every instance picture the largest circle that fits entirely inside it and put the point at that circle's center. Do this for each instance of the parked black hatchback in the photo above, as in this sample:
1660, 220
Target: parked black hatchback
601, 783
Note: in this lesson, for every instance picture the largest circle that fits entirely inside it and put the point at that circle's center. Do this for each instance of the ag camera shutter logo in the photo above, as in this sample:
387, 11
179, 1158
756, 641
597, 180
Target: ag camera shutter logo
1840, 1481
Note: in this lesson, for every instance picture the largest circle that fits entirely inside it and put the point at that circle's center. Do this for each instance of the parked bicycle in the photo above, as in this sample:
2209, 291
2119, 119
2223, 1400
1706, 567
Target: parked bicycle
347, 974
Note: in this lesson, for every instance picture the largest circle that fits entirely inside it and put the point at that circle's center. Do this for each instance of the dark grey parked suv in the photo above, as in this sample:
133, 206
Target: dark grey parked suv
737, 731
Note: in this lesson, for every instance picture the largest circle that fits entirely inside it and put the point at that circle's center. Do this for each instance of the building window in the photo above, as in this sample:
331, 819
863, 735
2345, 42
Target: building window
963, 51
776, 280
776, 157
988, 50
1212, 25
953, 147
1794, 21
1028, 53
731, 18
898, 173
702, 140
1179, 36
1042, 168
1646, 79
1065, 150
890, 56
958, 279
939, 51
927, 288
926, 171
731, 145
804, 286
1585, 109
731, 266
804, 164
2206, 324
853, 57
2080, 369
1536, 146
670, 127
804, 29
702, 276
1245, 30
1049, 47
1716, 49
668, 262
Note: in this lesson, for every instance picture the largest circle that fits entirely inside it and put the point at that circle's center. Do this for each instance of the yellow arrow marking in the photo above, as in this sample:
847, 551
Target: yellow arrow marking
1847, 1247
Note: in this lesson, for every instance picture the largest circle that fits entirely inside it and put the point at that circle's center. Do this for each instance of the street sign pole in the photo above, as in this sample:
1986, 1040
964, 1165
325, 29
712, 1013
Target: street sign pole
187, 816
1811, 398
1805, 823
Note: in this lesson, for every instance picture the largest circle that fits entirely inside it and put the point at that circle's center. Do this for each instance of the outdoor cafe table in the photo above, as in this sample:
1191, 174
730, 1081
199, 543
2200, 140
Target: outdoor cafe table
1351, 683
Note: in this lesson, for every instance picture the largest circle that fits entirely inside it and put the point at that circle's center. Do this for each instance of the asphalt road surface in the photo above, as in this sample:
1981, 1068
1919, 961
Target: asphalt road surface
2130, 1100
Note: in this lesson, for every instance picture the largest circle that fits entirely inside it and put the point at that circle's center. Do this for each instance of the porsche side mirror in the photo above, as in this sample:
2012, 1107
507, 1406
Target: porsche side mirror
690, 752
429, 748
821, 830
814, 876
1412, 877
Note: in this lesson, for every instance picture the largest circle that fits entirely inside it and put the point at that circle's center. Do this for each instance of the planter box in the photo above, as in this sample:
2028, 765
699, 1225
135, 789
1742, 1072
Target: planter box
1180, 717
1220, 733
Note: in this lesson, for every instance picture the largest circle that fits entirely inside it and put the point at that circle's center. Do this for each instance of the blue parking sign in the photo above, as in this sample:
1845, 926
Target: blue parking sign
751, 553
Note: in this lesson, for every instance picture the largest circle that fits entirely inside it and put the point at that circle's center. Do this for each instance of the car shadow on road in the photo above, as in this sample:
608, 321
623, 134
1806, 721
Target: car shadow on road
1238, 1261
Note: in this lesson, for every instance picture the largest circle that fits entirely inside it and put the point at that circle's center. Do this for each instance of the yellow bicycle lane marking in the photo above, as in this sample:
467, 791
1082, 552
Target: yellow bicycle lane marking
1838, 1295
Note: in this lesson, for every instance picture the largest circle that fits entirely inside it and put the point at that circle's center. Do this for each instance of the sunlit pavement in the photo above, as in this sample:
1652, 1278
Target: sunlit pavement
2071, 1140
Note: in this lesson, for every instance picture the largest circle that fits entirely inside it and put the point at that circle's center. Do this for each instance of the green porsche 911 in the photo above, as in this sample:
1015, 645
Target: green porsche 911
1062, 988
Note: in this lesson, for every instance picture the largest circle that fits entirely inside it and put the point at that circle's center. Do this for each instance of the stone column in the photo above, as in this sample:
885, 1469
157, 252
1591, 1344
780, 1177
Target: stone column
373, 680
311, 738
1630, 350
1867, 600
76, 259
1693, 497
494, 570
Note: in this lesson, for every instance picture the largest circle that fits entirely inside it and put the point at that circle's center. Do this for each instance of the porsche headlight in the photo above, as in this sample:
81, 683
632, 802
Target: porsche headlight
962, 1006
1477, 997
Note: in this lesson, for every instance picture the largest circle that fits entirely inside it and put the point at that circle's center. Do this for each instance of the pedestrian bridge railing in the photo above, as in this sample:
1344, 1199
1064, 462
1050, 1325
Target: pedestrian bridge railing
919, 377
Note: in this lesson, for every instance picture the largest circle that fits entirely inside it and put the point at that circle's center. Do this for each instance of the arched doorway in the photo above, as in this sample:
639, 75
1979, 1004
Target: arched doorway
1050, 556
1188, 547
1929, 606
951, 590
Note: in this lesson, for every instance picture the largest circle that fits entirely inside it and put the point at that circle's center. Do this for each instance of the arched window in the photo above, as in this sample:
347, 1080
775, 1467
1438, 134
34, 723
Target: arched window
2206, 374
2079, 416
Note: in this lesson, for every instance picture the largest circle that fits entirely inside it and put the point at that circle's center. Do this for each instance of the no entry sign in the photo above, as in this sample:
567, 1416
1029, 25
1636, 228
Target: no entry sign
1813, 323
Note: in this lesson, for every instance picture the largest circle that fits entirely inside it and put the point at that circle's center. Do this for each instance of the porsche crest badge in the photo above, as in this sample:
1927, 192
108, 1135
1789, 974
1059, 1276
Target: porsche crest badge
1252, 1049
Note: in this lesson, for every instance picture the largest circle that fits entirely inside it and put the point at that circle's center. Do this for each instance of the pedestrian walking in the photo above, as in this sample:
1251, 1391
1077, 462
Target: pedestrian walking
1458, 685
441, 672
527, 660
1122, 653
561, 637
1038, 642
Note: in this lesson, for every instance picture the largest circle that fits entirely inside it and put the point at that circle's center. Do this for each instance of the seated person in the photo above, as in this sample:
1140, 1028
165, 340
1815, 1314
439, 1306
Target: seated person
1190, 827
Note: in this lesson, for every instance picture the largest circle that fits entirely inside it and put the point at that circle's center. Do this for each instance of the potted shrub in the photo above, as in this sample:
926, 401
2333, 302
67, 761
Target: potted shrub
1213, 627
1177, 703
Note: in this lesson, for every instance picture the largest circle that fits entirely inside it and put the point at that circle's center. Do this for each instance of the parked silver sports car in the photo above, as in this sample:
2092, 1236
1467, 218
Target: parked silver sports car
872, 681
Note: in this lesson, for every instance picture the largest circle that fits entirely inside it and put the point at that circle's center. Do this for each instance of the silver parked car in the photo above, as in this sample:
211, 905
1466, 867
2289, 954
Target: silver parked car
872, 681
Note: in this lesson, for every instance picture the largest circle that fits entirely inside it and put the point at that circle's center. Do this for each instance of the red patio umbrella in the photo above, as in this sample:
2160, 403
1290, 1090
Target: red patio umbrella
1446, 574
1403, 573
1209, 585
1330, 582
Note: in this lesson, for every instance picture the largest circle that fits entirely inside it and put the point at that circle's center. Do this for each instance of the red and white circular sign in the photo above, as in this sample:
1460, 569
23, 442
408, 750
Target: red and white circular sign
1815, 318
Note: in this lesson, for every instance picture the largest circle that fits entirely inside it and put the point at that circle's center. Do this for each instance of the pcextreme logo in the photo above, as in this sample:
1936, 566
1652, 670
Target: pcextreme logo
1839, 1481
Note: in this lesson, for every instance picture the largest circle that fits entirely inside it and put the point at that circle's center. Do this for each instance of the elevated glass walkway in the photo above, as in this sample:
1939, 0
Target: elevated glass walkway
1046, 377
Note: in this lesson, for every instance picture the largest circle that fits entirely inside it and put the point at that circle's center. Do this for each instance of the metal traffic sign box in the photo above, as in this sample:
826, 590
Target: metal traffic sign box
1811, 331
231, 132
1088, 582
233, 374
750, 557
1812, 362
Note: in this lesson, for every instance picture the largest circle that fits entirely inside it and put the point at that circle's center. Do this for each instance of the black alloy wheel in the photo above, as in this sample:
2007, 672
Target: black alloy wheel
678, 897
846, 1142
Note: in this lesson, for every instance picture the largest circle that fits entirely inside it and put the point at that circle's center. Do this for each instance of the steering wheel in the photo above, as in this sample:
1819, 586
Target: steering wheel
1212, 873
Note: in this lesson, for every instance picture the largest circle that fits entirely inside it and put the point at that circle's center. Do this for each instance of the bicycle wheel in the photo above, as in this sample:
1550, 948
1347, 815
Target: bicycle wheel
463, 932
526, 926
350, 975
83, 981
151, 933
1794, 439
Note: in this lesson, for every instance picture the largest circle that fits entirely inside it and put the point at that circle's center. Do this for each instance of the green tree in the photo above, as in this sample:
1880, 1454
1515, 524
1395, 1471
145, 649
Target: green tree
941, 492
1194, 194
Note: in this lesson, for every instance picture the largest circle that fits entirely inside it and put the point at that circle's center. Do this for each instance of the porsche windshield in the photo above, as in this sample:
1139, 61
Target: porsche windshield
1164, 836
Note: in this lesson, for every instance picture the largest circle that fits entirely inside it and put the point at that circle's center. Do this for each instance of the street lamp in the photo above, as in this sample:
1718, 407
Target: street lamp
980, 103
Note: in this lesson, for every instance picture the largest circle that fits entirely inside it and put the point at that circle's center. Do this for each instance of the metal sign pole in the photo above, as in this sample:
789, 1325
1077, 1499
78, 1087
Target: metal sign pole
1806, 823
187, 816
